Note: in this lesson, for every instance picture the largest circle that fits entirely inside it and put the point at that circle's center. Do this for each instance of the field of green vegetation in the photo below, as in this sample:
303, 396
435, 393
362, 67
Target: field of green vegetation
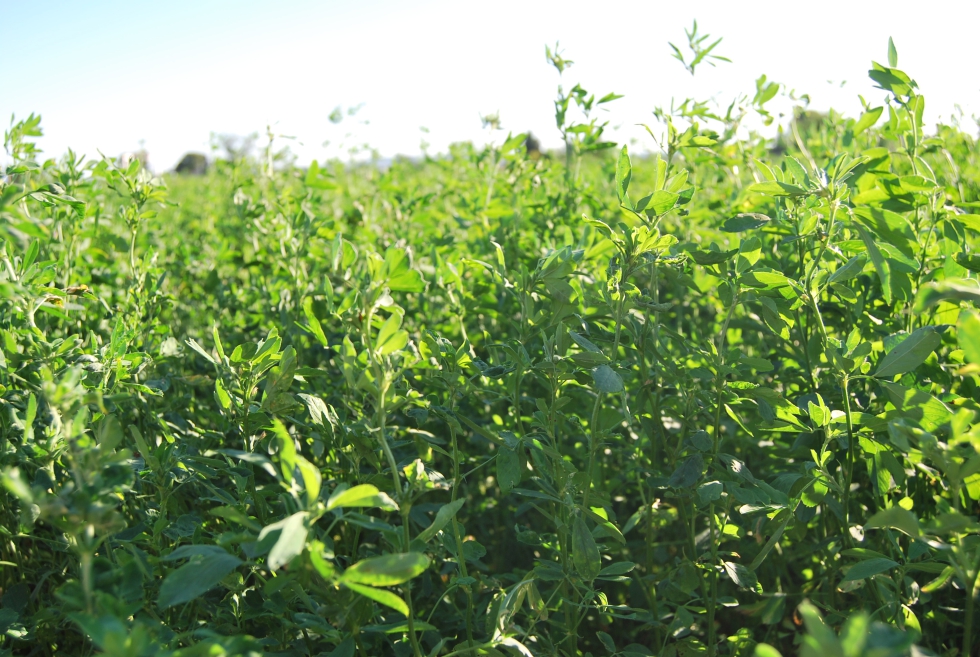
720, 400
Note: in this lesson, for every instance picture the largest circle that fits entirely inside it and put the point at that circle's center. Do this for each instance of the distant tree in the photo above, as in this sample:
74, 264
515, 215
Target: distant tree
193, 164
532, 145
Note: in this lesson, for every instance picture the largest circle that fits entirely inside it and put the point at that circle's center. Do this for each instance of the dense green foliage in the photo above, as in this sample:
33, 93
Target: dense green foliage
722, 400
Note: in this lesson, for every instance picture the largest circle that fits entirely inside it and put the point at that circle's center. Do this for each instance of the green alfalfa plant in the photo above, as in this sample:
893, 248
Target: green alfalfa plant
454, 367
858, 636
699, 52
579, 552
240, 377
580, 137
384, 360
82, 499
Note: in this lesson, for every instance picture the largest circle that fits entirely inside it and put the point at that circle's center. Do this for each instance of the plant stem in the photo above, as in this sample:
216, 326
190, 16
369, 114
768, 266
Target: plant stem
460, 559
407, 538
971, 594
720, 381
713, 599
593, 446
850, 454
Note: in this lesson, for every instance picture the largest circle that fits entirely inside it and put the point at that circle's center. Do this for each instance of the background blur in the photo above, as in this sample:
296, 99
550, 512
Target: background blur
427, 70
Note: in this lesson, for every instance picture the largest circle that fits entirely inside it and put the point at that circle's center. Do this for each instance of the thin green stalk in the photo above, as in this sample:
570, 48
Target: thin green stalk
968, 621
851, 456
713, 593
407, 538
593, 447
971, 594
806, 352
720, 380
921, 270
460, 560
712, 599
86, 566
968, 625
594, 421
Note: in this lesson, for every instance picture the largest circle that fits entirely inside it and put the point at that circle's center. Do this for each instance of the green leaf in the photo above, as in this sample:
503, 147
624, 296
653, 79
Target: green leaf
144, 448
929, 412
29, 418
710, 491
742, 576
701, 441
400, 276
770, 544
659, 203
895, 518
868, 119
287, 450
386, 570
765, 650
508, 469
951, 523
199, 349
409, 281
196, 578
745, 221
224, 399
819, 413
584, 342
892, 53
312, 479
758, 364
314, 323
774, 188
607, 380
850, 269
232, 514
881, 266
891, 227
585, 552
14, 482
249, 457
363, 495
940, 581
601, 518
868, 568
863, 554
292, 539
910, 353
623, 174
706, 258
606, 641
892, 79
687, 473
615, 569
968, 336
968, 261
443, 516
933, 292
390, 337
820, 639
189, 551
387, 598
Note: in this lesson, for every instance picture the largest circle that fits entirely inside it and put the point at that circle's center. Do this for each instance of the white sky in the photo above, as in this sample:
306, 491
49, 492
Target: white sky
109, 75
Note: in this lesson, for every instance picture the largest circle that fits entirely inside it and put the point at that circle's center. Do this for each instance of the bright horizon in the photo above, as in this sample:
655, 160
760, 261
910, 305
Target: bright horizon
113, 76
